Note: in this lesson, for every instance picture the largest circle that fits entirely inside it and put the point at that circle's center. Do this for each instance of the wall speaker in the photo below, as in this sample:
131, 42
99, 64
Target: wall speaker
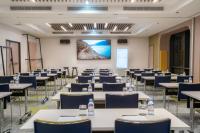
64, 41
122, 41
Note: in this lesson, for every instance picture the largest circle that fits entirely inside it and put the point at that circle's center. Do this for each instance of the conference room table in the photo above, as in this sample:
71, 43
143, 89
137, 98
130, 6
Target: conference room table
100, 96
193, 95
166, 87
96, 85
152, 79
104, 119
2, 96
45, 80
96, 78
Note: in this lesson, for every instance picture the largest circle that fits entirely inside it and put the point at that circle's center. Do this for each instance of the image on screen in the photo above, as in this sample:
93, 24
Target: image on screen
93, 49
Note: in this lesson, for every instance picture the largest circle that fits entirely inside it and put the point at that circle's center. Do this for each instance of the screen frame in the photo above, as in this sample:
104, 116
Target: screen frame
94, 59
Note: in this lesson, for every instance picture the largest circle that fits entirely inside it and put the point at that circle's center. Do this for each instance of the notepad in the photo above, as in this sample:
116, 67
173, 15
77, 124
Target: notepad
68, 118
134, 118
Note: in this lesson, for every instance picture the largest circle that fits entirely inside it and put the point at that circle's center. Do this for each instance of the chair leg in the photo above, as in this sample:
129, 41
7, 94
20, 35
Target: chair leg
20, 112
177, 108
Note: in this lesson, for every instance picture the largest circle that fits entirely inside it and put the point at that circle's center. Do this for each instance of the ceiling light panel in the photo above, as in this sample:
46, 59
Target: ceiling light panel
88, 2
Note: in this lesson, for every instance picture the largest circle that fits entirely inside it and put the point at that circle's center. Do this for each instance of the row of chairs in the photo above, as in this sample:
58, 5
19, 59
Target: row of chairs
121, 126
78, 87
102, 79
70, 101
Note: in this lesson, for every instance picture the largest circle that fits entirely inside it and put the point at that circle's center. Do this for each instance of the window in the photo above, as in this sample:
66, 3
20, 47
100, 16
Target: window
122, 58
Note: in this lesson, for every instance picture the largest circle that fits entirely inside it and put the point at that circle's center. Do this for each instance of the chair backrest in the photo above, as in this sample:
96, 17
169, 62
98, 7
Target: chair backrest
44, 74
167, 74
86, 74
6, 79
113, 86
161, 79
78, 87
127, 126
138, 71
81, 126
134, 69
107, 79
148, 69
4, 87
54, 71
104, 73
146, 74
122, 101
187, 87
24, 74
84, 79
69, 101
30, 80
181, 79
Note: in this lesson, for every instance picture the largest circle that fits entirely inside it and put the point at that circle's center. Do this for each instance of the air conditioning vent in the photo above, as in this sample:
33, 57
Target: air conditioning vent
131, 8
62, 32
32, 8
94, 8
120, 32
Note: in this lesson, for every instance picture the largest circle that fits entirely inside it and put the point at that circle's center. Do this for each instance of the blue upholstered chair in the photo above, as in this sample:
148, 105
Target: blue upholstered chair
161, 79
188, 87
78, 87
84, 79
44, 74
107, 79
146, 74
69, 101
30, 80
122, 101
180, 79
5, 88
81, 126
6, 79
113, 86
24, 74
127, 126
104, 73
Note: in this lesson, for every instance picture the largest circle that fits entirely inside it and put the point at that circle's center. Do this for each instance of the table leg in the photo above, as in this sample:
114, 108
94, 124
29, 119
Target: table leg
192, 113
1, 115
164, 98
58, 104
46, 94
26, 100
136, 83
145, 85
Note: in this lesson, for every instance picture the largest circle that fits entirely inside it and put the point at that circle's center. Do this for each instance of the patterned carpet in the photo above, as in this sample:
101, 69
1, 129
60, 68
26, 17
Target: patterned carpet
34, 105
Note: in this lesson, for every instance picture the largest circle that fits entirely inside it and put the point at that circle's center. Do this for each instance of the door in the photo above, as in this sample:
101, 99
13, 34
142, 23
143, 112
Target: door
13, 57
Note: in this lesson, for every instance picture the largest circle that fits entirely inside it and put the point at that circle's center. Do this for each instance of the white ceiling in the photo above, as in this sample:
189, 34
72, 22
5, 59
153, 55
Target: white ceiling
147, 22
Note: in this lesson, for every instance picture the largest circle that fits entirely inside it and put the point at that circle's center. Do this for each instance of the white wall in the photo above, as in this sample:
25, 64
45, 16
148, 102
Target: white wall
57, 56
9, 33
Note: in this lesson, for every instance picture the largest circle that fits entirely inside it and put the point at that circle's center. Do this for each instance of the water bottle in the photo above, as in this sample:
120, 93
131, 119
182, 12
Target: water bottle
150, 107
190, 79
90, 87
91, 108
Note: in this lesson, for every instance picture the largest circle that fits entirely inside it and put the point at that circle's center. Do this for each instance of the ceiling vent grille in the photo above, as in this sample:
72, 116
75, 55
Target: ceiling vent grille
32, 8
62, 32
94, 8
129, 8
120, 32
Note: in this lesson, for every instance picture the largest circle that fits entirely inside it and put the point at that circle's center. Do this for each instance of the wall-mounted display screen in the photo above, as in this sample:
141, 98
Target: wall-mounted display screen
93, 49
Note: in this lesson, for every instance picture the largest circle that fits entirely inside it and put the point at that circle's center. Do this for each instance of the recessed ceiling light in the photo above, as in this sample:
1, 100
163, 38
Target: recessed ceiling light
126, 28
86, 2
48, 24
70, 24
62, 27
33, 1
132, 1
177, 12
155, 1
115, 28
95, 25
106, 25
85, 28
